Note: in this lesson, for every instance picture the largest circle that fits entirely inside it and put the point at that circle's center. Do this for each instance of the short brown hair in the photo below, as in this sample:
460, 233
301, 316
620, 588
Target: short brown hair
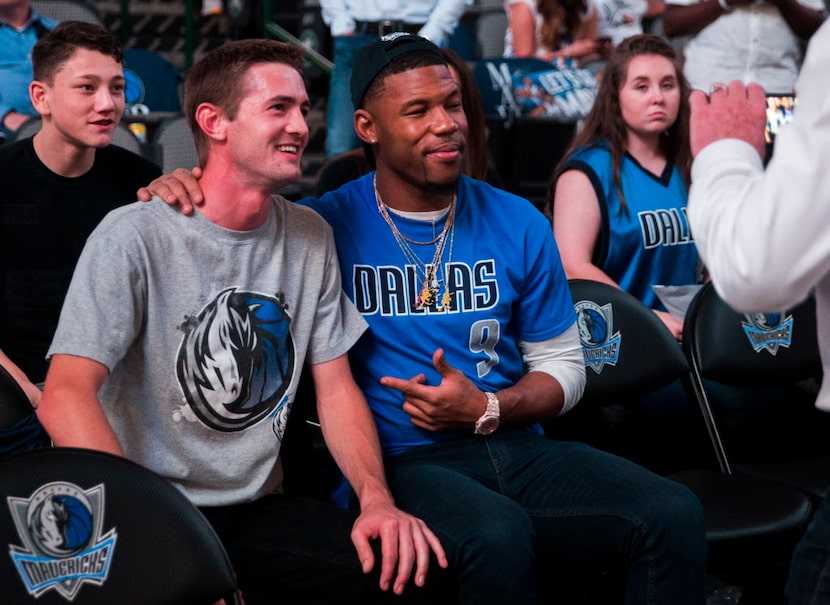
57, 46
217, 78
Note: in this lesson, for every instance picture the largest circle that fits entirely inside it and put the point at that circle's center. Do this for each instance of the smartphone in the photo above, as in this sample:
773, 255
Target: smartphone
780, 109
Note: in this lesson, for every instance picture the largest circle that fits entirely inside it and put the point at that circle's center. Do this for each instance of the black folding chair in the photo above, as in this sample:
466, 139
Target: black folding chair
90, 528
764, 361
630, 352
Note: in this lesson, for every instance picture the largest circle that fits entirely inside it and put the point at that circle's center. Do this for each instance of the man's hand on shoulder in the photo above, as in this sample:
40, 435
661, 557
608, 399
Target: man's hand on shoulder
180, 187
735, 111
406, 544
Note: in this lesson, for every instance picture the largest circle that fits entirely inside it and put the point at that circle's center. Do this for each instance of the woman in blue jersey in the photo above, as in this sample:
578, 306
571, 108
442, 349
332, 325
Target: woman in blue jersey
619, 195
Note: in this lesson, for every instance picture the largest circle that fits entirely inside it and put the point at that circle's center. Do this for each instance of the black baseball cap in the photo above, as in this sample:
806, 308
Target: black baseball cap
375, 56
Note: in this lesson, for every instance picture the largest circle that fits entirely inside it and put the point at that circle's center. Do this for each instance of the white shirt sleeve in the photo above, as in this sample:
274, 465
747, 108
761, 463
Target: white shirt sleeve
443, 19
560, 357
765, 234
440, 17
336, 16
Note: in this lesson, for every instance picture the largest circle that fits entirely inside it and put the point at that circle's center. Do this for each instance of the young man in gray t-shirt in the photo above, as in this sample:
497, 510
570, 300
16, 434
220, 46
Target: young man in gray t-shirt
181, 342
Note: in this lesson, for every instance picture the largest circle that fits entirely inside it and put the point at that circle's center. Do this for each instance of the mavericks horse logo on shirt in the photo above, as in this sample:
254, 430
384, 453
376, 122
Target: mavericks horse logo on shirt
236, 361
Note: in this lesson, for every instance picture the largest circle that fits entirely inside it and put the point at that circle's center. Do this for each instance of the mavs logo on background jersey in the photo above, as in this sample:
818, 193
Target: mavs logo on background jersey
64, 547
768, 331
600, 345
236, 360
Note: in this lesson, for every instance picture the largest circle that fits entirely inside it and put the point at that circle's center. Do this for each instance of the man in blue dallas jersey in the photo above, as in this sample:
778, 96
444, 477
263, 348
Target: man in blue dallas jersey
500, 327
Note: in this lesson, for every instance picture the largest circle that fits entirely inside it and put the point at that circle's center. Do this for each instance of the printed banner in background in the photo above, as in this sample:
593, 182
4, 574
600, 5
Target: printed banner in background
519, 87
566, 93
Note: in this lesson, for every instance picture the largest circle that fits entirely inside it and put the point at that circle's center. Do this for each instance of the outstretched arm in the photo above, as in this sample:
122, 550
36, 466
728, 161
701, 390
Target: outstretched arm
350, 433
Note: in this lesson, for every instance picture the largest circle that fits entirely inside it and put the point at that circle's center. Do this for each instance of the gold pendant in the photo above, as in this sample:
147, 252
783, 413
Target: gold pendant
446, 301
427, 297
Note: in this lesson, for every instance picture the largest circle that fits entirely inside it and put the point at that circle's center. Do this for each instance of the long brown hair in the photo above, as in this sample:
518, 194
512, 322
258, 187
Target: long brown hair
605, 124
559, 16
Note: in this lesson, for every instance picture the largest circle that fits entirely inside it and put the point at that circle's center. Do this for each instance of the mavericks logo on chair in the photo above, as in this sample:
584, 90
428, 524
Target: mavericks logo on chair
64, 547
768, 331
600, 344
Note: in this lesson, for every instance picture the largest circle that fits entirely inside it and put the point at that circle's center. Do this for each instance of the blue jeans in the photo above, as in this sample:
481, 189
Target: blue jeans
340, 134
515, 504
809, 579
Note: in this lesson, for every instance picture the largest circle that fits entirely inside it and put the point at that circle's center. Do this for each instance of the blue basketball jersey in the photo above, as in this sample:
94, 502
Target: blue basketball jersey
500, 267
648, 243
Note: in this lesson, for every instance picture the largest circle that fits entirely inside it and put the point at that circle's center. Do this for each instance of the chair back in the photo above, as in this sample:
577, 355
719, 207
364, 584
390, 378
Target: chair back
29, 128
122, 136
751, 349
341, 169
175, 139
68, 10
753, 370
90, 528
628, 351
153, 82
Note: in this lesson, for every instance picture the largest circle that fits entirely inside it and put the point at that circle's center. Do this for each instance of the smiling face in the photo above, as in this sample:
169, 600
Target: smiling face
420, 128
269, 132
649, 96
85, 100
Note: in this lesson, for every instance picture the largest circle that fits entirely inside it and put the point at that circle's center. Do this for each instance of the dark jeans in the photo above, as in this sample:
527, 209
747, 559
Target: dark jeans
289, 550
515, 505
809, 579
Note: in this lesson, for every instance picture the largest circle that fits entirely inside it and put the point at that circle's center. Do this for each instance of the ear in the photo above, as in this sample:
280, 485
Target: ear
364, 126
213, 121
38, 94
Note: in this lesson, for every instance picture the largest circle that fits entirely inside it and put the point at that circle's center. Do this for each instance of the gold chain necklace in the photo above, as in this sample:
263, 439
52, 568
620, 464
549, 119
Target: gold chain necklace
428, 295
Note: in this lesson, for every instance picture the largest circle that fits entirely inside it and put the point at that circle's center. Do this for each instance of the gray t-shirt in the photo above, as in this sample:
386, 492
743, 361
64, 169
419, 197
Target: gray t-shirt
204, 331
